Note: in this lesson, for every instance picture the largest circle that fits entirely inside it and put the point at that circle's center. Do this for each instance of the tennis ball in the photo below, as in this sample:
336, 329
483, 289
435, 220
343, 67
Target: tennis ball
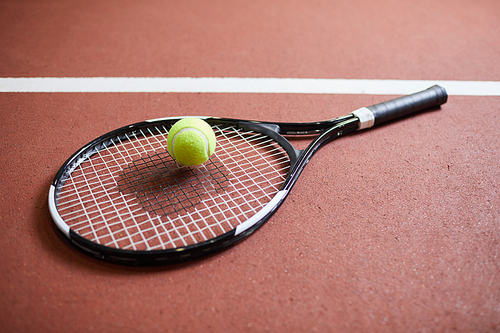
191, 141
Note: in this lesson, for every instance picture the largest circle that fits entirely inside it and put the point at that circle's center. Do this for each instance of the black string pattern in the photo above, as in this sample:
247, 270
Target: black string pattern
164, 187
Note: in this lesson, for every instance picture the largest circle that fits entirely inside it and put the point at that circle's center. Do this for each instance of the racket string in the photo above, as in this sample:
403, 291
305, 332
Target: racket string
131, 194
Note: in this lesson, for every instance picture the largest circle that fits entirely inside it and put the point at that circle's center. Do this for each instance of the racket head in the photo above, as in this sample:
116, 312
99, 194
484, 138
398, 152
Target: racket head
123, 199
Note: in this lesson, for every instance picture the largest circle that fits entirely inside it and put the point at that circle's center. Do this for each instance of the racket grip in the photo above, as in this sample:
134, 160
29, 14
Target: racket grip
401, 106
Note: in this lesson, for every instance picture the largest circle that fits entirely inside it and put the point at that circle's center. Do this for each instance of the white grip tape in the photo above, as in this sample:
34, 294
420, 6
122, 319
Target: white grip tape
365, 116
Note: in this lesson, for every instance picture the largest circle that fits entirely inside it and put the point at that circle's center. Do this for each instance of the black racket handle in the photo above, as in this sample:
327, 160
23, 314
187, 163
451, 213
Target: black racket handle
401, 106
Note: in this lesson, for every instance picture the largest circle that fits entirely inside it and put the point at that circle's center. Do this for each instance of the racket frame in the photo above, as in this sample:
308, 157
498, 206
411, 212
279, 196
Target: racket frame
298, 158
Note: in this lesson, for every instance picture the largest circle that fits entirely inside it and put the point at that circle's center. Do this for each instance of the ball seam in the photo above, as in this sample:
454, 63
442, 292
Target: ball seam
190, 129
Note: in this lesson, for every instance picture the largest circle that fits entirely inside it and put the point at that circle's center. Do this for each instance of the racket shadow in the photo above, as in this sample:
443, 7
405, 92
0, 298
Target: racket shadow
164, 187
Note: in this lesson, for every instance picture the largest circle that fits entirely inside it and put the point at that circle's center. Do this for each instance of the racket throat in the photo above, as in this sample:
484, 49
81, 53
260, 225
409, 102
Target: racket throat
303, 156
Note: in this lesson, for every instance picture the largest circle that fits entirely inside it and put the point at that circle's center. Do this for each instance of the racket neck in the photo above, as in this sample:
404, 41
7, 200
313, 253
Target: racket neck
290, 129
312, 128
347, 126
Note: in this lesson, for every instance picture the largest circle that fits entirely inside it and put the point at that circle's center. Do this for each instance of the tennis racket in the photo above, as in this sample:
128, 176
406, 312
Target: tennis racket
123, 199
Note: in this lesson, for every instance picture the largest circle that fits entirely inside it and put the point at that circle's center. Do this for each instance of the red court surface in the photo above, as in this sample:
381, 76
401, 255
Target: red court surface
395, 229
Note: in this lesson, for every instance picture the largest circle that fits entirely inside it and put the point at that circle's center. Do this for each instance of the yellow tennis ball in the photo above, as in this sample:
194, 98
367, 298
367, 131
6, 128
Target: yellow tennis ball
191, 141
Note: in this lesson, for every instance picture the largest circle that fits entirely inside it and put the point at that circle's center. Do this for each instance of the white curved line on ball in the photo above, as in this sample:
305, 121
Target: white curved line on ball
190, 129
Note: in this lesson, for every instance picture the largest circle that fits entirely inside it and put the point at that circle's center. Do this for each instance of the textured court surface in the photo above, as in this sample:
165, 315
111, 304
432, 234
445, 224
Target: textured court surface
395, 229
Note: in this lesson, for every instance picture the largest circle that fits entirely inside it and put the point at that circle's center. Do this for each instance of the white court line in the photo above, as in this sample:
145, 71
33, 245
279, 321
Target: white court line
241, 85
